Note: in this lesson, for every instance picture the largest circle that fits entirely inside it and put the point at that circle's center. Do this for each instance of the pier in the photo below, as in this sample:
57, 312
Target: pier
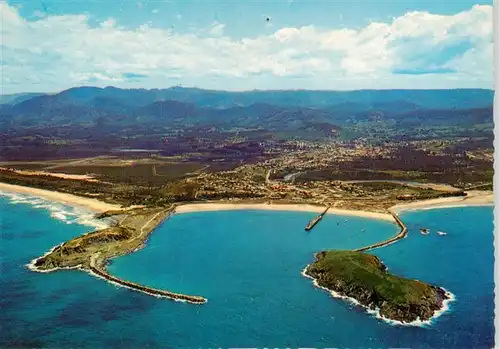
316, 219
144, 289
402, 234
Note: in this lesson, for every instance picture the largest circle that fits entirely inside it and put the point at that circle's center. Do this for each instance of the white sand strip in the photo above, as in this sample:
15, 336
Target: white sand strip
202, 207
473, 198
68, 199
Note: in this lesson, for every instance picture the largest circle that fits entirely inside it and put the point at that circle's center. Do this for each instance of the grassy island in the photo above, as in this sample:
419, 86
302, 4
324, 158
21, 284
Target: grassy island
365, 278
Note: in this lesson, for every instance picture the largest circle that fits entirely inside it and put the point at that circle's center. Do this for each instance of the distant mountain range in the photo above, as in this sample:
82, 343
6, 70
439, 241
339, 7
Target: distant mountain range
321, 112
433, 99
18, 97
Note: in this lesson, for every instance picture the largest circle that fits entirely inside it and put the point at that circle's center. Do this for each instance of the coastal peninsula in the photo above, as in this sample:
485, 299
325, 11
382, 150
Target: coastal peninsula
92, 251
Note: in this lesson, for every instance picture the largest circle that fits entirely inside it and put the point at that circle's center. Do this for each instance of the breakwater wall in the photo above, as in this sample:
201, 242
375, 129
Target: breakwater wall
402, 234
316, 219
148, 290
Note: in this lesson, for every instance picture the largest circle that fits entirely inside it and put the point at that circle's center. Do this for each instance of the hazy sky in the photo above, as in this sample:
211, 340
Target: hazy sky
239, 45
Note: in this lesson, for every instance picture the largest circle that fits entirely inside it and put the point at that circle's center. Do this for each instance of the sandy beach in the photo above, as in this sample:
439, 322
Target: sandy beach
203, 207
473, 198
69, 199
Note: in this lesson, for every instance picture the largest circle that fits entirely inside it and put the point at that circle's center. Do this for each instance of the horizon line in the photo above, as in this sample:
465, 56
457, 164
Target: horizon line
250, 90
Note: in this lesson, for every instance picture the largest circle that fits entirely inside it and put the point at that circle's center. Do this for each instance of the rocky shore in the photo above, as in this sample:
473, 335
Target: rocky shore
364, 278
90, 252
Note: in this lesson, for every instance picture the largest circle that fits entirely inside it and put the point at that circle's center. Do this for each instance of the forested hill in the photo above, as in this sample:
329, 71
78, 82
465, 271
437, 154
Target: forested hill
299, 113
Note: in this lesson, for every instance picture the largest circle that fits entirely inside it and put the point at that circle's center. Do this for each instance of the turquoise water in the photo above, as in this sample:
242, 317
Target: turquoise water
248, 264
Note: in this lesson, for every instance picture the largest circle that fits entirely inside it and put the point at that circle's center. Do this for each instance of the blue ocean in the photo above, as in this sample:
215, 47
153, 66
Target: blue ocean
248, 264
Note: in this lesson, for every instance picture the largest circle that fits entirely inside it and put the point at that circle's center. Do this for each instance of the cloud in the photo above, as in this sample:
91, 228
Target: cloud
39, 14
422, 71
155, 10
415, 50
109, 23
217, 29
133, 76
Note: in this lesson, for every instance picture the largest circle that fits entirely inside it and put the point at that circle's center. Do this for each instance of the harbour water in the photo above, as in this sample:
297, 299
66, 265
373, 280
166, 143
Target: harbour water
247, 264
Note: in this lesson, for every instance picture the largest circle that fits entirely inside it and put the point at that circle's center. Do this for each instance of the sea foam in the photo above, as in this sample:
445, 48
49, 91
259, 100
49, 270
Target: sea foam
64, 213
376, 312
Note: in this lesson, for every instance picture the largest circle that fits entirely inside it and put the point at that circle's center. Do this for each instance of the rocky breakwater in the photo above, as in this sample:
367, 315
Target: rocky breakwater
90, 252
364, 279
401, 235
97, 268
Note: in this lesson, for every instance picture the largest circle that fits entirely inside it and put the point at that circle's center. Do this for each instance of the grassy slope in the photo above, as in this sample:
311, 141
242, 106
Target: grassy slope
366, 271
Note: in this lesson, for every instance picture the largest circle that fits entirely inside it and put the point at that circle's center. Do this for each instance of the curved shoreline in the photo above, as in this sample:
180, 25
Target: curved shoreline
473, 198
64, 198
479, 198
223, 206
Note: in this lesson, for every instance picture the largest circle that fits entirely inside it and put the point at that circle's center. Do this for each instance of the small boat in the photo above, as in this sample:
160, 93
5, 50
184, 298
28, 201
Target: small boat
441, 233
424, 231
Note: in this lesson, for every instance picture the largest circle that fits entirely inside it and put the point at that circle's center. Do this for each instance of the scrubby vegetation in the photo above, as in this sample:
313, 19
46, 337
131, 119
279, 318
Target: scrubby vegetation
364, 277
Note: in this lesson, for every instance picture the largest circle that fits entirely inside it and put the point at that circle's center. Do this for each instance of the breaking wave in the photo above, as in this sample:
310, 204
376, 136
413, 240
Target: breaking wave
445, 307
61, 212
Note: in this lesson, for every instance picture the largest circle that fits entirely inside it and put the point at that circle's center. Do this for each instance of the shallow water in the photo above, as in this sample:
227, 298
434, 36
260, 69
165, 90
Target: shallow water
248, 264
